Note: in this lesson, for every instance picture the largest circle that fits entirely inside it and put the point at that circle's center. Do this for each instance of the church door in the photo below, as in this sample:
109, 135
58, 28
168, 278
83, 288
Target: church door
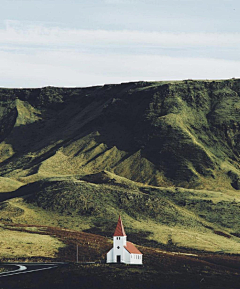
118, 259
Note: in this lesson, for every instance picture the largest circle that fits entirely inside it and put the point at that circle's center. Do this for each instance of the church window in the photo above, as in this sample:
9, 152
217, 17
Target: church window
118, 247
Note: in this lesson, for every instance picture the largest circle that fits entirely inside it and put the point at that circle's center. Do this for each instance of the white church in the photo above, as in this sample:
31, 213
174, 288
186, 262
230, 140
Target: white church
123, 251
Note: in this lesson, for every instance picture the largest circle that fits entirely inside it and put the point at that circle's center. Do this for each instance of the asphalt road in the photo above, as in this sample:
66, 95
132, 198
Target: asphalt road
22, 268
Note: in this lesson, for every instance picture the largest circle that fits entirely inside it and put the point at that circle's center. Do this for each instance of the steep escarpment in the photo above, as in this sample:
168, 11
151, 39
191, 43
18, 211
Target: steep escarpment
182, 133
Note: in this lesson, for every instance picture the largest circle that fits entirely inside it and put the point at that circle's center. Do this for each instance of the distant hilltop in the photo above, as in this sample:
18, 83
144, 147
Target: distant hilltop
182, 133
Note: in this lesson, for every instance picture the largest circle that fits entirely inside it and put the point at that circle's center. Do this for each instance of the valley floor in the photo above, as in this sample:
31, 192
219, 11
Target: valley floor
161, 269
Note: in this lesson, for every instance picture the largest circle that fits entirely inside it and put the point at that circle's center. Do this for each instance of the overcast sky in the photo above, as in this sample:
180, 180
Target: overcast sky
91, 42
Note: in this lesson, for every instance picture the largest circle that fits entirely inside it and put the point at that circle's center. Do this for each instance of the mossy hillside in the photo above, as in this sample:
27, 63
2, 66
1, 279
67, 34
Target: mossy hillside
16, 245
183, 133
217, 208
152, 216
9, 185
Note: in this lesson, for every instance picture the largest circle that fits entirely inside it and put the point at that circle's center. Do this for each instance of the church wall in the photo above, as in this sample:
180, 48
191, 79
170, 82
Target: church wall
110, 256
136, 259
118, 248
126, 256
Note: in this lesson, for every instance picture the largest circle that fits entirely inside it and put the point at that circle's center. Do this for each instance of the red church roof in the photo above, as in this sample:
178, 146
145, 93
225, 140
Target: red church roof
132, 249
119, 231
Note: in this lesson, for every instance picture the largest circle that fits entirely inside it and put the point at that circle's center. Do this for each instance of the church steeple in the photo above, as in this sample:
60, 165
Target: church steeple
119, 231
123, 251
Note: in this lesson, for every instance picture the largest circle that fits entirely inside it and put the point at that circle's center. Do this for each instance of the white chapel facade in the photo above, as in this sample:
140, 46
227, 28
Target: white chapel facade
123, 251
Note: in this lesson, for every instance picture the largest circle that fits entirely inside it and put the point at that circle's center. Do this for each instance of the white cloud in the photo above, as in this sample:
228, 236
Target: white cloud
29, 35
32, 55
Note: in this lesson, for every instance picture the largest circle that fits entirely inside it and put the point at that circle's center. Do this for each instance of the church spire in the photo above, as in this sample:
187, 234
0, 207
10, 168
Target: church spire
119, 231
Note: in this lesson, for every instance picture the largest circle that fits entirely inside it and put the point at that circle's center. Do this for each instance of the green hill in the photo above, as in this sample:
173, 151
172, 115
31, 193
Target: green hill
163, 154
163, 133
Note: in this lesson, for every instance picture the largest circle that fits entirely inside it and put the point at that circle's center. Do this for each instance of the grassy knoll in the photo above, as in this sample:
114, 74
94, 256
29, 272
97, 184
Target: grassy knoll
166, 218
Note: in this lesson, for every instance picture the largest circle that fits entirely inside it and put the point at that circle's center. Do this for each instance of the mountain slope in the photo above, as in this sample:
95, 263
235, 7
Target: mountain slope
163, 133
163, 154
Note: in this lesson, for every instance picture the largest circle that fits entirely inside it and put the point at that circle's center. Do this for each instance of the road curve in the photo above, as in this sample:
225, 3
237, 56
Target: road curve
22, 268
